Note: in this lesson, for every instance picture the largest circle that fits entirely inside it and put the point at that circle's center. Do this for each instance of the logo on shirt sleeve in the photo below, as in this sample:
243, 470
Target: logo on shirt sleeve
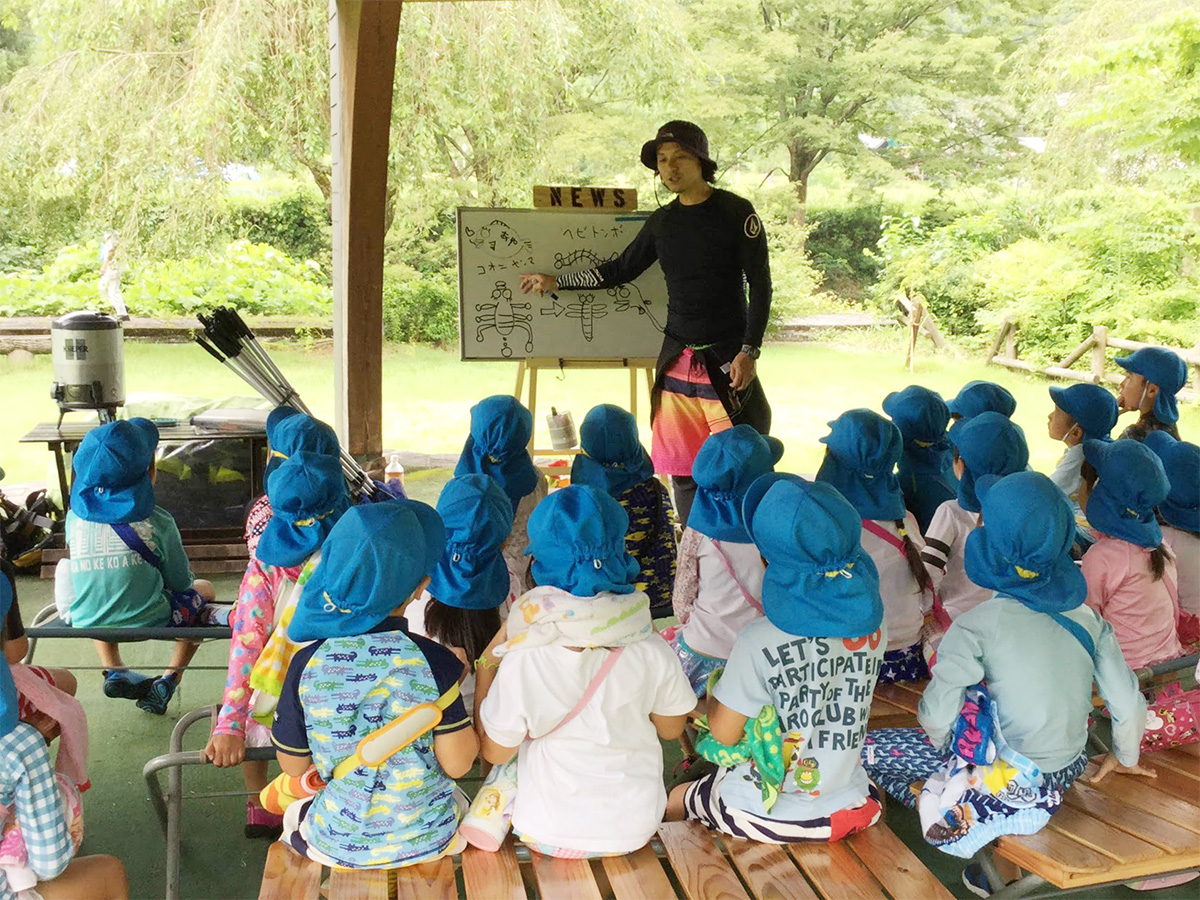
753, 226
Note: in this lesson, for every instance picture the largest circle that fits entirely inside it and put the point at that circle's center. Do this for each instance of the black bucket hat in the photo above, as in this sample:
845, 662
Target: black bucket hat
687, 135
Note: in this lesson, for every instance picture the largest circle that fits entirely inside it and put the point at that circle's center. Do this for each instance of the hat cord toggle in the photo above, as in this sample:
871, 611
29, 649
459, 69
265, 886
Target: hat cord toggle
330, 606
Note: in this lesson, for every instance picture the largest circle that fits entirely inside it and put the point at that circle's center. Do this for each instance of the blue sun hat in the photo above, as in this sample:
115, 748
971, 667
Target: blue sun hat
982, 396
1092, 407
372, 561
291, 431
1181, 462
478, 517
577, 541
112, 472
988, 444
727, 464
863, 449
922, 417
613, 459
308, 495
8, 690
1162, 367
819, 581
1023, 549
498, 446
1132, 483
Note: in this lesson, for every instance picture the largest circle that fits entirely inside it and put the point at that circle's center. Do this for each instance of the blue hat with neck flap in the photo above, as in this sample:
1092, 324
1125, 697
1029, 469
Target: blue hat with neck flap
577, 541
727, 464
112, 472
819, 581
922, 417
8, 690
1132, 483
1162, 367
308, 495
1092, 407
1181, 462
988, 444
371, 563
477, 516
613, 459
982, 396
1023, 549
290, 431
498, 446
862, 449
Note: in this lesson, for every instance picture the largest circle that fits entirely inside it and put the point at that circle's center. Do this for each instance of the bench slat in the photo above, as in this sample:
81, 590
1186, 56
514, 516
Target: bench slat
1167, 836
492, 876
903, 694
1122, 847
425, 881
768, 870
1141, 793
836, 872
1172, 781
564, 879
1052, 855
638, 876
698, 863
1176, 759
896, 867
1192, 750
358, 884
289, 876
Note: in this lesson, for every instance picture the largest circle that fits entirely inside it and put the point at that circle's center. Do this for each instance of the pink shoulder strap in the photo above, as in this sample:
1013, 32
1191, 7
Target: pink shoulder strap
939, 612
750, 598
593, 686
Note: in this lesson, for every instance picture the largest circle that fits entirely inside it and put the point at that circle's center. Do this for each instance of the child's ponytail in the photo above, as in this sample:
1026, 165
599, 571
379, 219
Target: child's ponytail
913, 555
1158, 562
471, 629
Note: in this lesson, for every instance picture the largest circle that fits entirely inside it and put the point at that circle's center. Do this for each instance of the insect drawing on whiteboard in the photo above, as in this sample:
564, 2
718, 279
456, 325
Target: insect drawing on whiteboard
586, 310
626, 297
504, 317
497, 238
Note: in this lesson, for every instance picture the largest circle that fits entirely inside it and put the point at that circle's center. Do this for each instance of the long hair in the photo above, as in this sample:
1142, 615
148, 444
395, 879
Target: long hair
471, 629
1158, 556
913, 555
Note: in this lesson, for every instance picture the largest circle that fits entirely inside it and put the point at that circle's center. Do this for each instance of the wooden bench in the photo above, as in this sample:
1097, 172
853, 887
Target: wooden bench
684, 860
895, 705
1124, 829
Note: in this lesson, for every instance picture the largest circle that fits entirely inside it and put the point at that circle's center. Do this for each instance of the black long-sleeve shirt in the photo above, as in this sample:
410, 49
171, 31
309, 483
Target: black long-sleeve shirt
709, 252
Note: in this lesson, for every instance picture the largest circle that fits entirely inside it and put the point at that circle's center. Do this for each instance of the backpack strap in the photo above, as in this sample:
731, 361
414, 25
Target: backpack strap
126, 533
939, 612
750, 598
1077, 631
593, 686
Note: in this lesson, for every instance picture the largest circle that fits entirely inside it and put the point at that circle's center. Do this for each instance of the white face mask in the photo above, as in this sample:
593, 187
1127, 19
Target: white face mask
1142, 401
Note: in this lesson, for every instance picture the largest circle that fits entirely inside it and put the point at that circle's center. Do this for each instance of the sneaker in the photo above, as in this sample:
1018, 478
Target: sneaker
122, 684
159, 696
216, 614
975, 881
262, 824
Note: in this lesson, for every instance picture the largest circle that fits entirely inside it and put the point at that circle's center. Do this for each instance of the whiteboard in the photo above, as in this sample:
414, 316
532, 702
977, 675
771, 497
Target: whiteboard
497, 321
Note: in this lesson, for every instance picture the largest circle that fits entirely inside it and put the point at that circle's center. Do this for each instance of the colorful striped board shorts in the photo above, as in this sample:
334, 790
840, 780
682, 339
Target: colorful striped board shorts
689, 410
703, 803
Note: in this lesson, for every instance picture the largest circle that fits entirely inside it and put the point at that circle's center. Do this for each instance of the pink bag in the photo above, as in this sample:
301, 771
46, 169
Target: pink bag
1172, 719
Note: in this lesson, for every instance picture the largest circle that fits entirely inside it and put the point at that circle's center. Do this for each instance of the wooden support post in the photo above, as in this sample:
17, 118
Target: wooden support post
1075, 355
362, 37
1099, 344
1010, 342
1000, 336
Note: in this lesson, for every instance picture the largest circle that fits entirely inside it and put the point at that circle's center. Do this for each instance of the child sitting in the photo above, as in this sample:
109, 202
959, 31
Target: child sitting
926, 468
1038, 648
979, 397
861, 451
1130, 574
362, 672
614, 461
1154, 375
1180, 513
501, 429
987, 444
308, 495
799, 682
1081, 412
720, 571
470, 590
583, 688
127, 567
36, 854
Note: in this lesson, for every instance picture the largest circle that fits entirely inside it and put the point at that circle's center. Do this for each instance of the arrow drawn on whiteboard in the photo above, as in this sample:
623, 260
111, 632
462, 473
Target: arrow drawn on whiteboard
556, 309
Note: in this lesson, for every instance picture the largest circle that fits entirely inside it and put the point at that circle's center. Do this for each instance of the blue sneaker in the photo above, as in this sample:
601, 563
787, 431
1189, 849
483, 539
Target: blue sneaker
975, 881
159, 696
123, 684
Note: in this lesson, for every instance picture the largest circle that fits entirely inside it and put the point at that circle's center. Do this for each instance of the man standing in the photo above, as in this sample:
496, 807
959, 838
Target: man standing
711, 246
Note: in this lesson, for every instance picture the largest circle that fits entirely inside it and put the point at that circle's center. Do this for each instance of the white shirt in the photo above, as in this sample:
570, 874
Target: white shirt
596, 784
904, 604
1186, 547
721, 609
1067, 474
945, 543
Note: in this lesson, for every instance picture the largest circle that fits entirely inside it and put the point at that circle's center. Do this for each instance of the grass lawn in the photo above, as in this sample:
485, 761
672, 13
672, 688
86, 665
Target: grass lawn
428, 393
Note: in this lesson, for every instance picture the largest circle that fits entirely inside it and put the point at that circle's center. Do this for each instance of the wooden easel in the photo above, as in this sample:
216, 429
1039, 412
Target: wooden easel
532, 365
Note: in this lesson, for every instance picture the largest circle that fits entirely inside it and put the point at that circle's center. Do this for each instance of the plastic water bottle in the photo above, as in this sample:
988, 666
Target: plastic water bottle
394, 473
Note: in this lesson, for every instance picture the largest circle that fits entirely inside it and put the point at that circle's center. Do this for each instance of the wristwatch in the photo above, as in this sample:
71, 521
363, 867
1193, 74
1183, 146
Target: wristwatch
750, 351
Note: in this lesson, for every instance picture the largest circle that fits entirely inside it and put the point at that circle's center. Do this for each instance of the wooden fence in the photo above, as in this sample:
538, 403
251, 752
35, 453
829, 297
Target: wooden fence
1097, 343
